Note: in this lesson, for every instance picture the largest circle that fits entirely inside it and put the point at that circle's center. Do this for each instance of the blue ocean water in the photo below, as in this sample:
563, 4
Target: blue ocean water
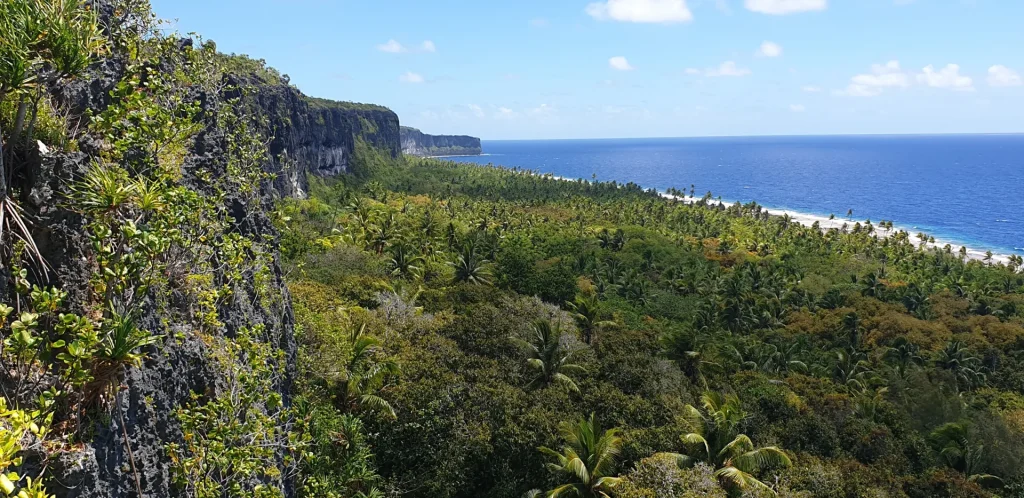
965, 189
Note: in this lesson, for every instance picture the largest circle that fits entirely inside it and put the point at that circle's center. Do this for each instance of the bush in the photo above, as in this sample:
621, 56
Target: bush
660, 477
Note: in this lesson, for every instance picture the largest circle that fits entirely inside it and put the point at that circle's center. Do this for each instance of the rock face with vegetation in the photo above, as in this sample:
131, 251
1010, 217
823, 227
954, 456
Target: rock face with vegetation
417, 143
215, 287
148, 335
318, 136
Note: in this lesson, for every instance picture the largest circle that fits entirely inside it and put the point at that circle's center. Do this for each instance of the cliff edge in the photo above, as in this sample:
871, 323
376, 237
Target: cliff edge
417, 143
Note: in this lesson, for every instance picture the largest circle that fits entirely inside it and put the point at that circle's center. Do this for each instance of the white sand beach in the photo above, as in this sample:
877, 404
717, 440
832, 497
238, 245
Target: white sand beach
825, 223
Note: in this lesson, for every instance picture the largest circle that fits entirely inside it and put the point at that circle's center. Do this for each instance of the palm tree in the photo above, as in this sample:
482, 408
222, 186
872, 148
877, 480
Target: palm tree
873, 286
967, 369
953, 444
382, 235
916, 301
588, 316
548, 358
364, 376
851, 370
587, 460
714, 438
903, 355
832, 299
471, 268
404, 262
851, 325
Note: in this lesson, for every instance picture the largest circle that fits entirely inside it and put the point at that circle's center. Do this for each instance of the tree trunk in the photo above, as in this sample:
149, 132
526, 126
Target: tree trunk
19, 123
3, 168
3, 201
32, 122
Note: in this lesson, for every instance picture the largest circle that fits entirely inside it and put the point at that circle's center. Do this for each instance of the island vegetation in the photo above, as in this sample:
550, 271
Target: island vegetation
459, 331
577, 338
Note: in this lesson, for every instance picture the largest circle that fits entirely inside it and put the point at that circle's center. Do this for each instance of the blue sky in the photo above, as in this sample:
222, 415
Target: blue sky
642, 68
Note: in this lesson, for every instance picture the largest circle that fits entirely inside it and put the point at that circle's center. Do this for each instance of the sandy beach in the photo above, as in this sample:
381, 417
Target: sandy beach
825, 223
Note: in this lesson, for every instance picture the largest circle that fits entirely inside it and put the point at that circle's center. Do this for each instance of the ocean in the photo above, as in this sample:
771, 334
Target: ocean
962, 189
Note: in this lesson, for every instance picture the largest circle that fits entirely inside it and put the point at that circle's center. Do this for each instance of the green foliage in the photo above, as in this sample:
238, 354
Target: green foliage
41, 43
715, 439
548, 358
243, 65
587, 461
318, 103
234, 435
22, 433
677, 299
660, 476
159, 238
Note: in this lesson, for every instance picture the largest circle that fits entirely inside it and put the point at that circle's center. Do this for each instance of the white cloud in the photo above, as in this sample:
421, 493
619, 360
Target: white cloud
505, 113
391, 47
476, 110
855, 90
394, 47
797, 108
782, 7
539, 22
651, 11
882, 76
411, 77
811, 89
769, 49
542, 110
619, 63
1000, 75
947, 77
727, 68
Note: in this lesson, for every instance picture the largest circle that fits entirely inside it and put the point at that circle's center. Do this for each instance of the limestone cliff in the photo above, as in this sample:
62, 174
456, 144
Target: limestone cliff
304, 136
318, 136
417, 143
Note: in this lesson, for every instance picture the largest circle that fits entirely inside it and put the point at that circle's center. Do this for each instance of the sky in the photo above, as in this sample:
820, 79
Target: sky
540, 69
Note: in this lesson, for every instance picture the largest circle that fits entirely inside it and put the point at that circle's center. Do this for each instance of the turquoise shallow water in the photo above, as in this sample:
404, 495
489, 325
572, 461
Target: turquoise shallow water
968, 189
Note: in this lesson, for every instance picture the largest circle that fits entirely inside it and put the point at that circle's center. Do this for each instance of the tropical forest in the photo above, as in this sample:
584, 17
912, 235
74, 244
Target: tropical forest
194, 303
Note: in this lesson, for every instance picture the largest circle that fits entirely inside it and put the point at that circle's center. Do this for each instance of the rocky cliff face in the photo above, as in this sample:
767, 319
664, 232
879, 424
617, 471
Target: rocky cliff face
318, 136
307, 136
417, 143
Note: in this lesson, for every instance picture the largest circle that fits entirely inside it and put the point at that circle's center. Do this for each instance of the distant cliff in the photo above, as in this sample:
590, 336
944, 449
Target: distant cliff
417, 143
318, 136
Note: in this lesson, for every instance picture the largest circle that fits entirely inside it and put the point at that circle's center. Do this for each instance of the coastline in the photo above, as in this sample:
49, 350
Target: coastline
808, 220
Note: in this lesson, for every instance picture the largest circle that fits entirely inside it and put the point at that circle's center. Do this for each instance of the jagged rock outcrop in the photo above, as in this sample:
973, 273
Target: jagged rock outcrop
417, 143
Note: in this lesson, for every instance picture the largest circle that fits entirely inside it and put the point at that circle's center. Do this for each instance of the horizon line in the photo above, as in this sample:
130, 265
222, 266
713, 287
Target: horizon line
807, 135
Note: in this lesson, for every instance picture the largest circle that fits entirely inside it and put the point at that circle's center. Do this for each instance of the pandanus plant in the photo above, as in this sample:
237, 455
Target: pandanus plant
41, 42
